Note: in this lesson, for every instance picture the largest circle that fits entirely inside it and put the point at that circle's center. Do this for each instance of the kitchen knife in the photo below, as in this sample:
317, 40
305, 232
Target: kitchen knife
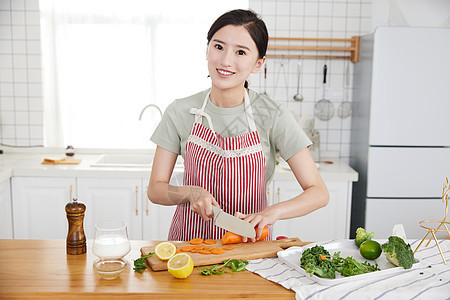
233, 224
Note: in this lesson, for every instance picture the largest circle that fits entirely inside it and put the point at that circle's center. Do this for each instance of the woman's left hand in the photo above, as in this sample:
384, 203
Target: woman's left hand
267, 217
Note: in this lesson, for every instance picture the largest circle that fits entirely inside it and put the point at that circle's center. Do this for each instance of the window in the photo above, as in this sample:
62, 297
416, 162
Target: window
104, 61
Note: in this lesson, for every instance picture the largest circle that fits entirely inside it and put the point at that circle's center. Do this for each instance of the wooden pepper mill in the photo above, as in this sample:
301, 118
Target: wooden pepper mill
76, 240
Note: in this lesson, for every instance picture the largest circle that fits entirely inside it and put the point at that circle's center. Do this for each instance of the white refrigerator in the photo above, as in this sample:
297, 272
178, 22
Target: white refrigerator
400, 140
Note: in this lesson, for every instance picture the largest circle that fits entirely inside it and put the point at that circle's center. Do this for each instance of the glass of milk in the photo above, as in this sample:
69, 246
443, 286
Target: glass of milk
111, 244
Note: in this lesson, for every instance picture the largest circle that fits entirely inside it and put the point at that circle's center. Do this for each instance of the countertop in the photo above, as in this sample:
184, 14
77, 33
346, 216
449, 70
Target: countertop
41, 268
29, 165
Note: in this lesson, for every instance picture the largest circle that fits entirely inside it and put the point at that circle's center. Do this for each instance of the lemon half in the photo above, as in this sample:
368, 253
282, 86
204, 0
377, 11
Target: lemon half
180, 265
165, 250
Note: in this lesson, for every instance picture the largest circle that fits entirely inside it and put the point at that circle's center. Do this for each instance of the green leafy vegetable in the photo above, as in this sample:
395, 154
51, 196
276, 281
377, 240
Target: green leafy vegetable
313, 264
398, 252
213, 270
351, 267
236, 265
139, 264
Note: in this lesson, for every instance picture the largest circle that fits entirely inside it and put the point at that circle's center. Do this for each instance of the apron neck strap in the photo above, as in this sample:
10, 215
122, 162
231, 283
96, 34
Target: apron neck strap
200, 112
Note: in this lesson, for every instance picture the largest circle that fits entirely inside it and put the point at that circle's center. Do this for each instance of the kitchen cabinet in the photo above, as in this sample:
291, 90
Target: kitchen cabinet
112, 199
39, 206
327, 223
5, 210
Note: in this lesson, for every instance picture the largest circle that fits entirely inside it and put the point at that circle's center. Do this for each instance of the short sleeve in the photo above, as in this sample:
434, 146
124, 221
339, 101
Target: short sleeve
287, 135
166, 134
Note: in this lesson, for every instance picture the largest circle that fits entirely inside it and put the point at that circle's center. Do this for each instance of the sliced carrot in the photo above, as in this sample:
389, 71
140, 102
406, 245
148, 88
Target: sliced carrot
232, 238
322, 257
178, 251
228, 248
217, 251
209, 242
196, 241
186, 248
204, 251
193, 250
198, 247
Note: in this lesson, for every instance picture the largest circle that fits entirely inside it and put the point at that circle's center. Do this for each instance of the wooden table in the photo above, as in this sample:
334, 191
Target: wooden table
42, 269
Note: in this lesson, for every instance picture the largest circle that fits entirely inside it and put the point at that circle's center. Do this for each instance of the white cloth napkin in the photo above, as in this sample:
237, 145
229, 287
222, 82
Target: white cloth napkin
431, 280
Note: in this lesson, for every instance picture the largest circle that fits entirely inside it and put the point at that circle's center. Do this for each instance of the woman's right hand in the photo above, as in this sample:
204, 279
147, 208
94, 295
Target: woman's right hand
201, 202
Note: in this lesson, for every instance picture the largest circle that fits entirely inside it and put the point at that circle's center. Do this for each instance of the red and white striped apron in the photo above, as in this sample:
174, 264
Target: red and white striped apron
232, 169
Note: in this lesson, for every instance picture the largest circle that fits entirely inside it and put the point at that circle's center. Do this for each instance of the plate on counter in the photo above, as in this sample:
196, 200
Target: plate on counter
291, 257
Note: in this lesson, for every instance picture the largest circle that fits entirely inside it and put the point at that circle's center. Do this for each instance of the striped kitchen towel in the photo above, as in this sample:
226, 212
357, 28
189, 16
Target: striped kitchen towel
430, 280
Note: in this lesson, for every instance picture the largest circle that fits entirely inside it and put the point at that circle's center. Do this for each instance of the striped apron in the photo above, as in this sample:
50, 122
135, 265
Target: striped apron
232, 169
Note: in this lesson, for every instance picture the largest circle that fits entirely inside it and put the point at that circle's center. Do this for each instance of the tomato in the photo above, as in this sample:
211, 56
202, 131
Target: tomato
281, 237
370, 249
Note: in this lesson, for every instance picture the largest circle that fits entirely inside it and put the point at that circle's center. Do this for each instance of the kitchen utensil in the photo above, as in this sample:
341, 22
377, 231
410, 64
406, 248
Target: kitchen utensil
232, 223
76, 239
324, 108
344, 109
245, 251
281, 69
298, 96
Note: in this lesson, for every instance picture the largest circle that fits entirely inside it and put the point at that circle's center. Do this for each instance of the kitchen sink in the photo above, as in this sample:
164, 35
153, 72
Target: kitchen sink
129, 161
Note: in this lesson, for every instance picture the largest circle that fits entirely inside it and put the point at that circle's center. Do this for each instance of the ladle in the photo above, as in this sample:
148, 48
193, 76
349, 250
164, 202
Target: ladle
298, 96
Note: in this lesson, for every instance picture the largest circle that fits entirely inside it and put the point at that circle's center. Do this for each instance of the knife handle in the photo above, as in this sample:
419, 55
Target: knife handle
286, 243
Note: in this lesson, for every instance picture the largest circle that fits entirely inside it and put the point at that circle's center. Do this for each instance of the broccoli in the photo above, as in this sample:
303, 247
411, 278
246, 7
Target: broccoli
362, 236
398, 252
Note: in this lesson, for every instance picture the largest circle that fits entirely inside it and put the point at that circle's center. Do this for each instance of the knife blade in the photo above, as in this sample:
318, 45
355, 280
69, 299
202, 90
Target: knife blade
232, 223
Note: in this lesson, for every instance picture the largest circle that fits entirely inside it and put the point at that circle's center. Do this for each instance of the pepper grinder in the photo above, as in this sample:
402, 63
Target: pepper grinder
76, 240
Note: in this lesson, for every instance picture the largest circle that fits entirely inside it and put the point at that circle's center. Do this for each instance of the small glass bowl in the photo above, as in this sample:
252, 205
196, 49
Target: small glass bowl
109, 268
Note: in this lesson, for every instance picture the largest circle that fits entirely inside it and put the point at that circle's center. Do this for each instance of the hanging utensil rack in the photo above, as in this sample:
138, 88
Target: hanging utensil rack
353, 48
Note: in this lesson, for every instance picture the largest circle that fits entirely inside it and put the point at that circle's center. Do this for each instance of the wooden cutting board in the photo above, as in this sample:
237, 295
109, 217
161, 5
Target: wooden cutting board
61, 161
245, 251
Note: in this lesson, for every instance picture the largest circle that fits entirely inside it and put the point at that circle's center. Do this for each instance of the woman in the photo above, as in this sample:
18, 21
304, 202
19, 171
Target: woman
229, 136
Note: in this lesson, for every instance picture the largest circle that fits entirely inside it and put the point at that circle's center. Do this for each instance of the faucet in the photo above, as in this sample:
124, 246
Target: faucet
147, 106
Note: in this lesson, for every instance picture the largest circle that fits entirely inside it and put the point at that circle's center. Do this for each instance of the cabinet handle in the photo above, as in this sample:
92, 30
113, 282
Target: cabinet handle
70, 193
278, 195
137, 191
146, 202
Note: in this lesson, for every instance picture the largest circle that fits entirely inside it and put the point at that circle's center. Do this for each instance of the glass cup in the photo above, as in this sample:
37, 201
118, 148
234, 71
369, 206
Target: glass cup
111, 244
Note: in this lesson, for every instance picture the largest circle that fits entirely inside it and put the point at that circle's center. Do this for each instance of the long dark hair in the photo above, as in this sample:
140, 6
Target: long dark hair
251, 21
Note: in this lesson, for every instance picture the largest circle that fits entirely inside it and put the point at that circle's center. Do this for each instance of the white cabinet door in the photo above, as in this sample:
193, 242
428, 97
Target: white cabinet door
383, 214
330, 222
111, 199
5, 210
39, 207
157, 218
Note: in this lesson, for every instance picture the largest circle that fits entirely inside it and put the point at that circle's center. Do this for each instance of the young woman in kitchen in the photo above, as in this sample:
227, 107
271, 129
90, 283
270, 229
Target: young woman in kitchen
228, 136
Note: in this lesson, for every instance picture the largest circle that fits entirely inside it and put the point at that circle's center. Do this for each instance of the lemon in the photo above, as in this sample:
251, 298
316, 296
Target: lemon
370, 249
180, 265
165, 250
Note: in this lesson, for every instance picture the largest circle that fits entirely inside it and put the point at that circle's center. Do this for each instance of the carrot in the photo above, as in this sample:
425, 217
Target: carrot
322, 257
228, 248
196, 241
198, 247
232, 238
209, 242
204, 251
217, 251
186, 248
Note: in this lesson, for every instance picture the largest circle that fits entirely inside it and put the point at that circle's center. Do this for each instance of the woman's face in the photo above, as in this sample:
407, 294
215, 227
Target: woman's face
232, 56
